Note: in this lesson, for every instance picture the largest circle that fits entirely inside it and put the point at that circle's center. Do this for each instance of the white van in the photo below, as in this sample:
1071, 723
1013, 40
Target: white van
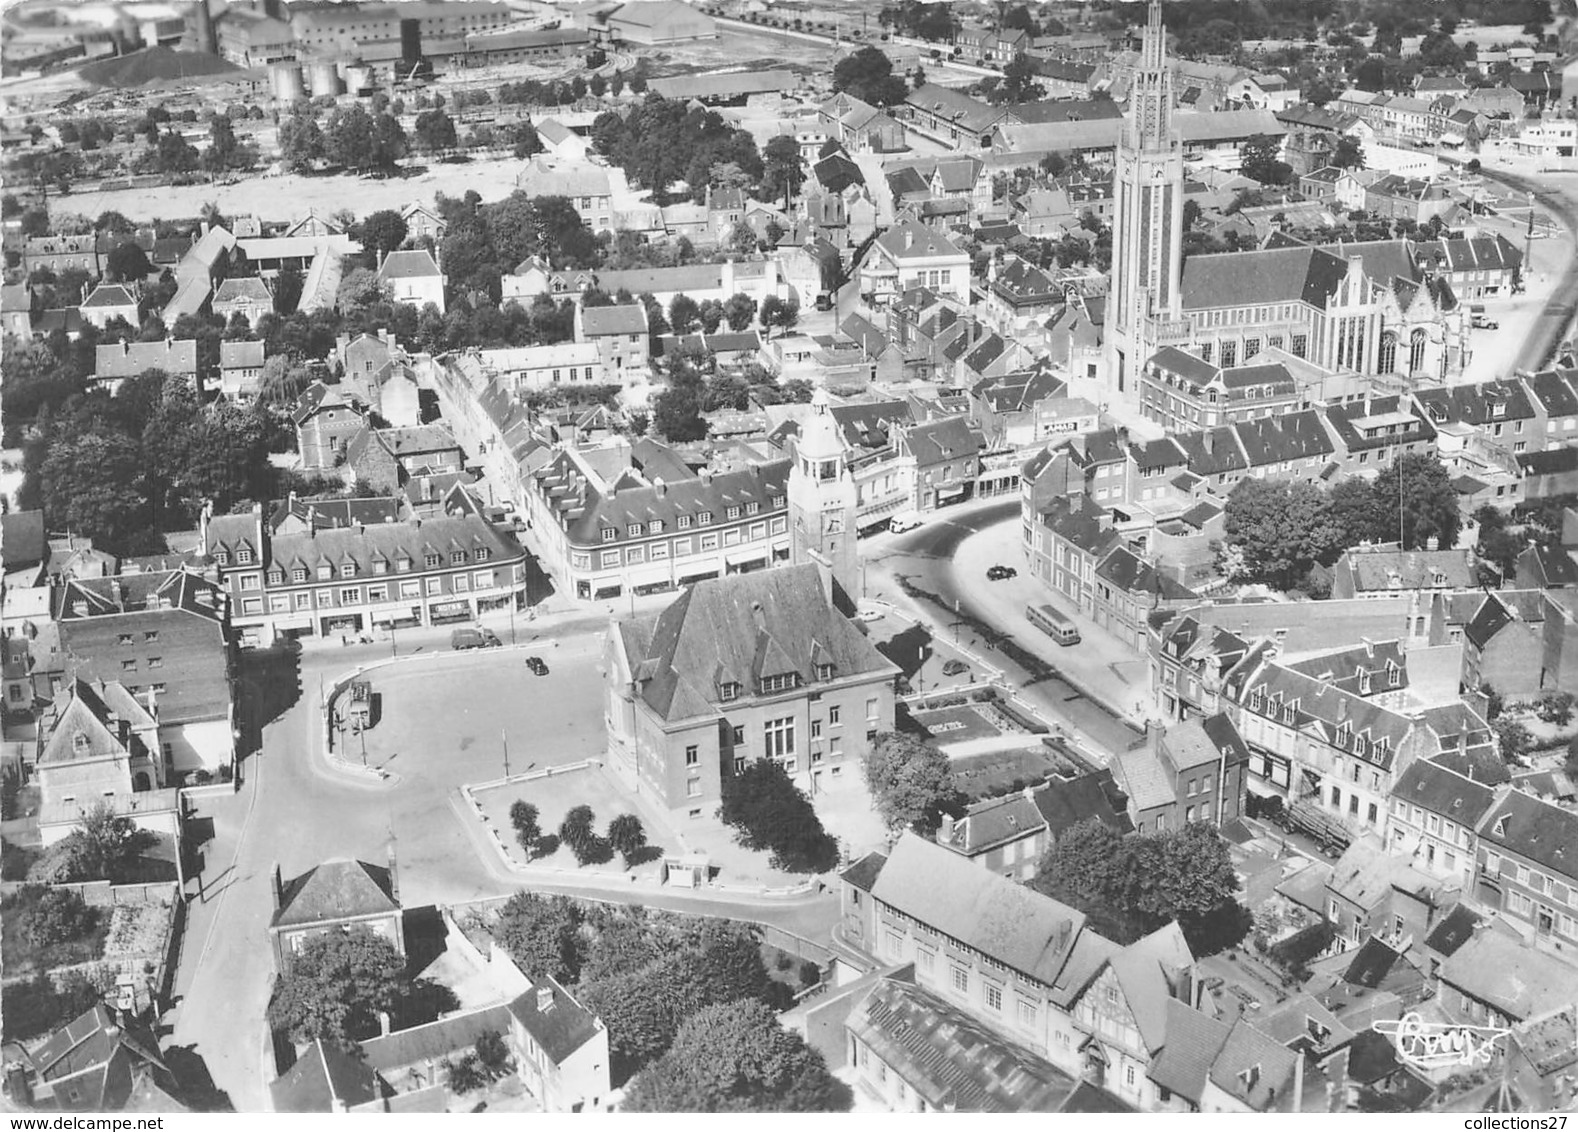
904, 521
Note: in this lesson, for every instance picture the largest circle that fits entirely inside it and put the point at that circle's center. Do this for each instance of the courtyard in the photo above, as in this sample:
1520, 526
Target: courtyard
554, 796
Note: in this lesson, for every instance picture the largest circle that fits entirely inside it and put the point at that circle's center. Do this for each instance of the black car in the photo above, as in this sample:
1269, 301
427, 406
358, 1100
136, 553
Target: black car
538, 666
998, 573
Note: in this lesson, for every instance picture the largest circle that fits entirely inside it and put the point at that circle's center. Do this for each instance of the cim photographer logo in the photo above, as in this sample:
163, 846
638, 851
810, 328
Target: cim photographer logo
1432, 1045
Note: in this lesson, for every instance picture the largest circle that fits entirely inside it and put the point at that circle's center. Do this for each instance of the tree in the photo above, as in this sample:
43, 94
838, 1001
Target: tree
301, 140
783, 172
1347, 153
735, 1057
1260, 162
56, 915
1019, 82
111, 843
127, 263
1416, 493
223, 151
782, 313
435, 131
868, 75
90, 483
576, 829
911, 781
383, 231
1131, 886
35, 1007
523, 818
676, 412
739, 311
1513, 737
542, 935
524, 139
684, 314
769, 812
628, 838
1281, 528
1497, 547
335, 987
1351, 509
711, 315
1018, 18
174, 154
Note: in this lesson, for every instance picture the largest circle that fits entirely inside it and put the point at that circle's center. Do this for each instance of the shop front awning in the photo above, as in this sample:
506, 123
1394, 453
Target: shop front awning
287, 624
948, 491
650, 576
741, 557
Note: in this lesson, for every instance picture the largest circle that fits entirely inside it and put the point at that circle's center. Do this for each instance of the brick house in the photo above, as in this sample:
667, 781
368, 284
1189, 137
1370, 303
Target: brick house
1194, 771
746, 667
326, 422
1527, 867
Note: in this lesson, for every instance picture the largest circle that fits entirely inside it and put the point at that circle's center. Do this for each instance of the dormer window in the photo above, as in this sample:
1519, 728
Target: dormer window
824, 672
380, 566
1438, 578
655, 527
433, 561
1364, 682
481, 553
633, 530
348, 570
80, 744
684, 522
1287, 713
457, 557
325, 573
276, 577
704, 518
752, 508
403, 564
729, 690
1501, 826
733, 512
610, 534
222, 557
1394, 675
299, 574
778, 501
244, 556
780, 682
1344, 733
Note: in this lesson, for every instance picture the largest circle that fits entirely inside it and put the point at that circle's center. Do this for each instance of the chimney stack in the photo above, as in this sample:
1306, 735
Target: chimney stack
278, 887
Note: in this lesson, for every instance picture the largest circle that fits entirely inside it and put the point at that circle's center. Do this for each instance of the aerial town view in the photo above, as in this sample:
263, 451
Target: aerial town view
585, 556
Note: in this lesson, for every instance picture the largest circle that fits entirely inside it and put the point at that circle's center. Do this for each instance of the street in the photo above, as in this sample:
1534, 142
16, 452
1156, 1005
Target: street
928, 561
291, 808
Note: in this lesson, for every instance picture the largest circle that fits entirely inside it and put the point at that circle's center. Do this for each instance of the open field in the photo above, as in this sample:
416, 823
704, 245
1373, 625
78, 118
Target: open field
289, 196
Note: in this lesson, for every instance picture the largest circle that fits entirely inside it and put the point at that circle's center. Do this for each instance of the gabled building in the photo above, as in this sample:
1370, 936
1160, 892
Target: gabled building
1195, 771
1182, 391
412, 278
118, 361
1009, 835
737, 669
1385, 571
620, 333
1372, 433
98, 1062
110, 301
97, 743
165, 635
326, 421
247, 296
1433, 817
336, 896
240, 370
1527, 867
912, 255
349, 579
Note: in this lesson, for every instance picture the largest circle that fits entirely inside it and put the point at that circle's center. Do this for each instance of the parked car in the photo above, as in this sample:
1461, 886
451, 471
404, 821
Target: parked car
954, 667
538, 666
474, 639
869, 615
1480, 322
999, 573
904, 521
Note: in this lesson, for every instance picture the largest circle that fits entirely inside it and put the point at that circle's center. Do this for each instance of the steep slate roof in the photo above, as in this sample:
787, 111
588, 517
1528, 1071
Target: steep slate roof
937, 441
864, 872
955, 1062
245, 287
335, 890
84, 709
1535, 830
324, 1074
185, 610
1143, 779
630, 318
910, 239
240, 355
1193, 1042
739, 629
22, 541
109, 295
1556, 390
128, 359
1078, 521
1255, 277
1007, 922
1253, 1068
1433, 787
101, 1058
1482, 404
560, 1029
1454, 930
413, 263
1148, 970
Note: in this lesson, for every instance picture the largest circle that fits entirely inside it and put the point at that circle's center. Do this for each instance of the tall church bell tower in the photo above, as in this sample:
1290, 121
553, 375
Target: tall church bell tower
1147, 237
822, 498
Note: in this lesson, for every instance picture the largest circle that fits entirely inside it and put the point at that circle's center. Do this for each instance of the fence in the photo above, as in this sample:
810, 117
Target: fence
103, 894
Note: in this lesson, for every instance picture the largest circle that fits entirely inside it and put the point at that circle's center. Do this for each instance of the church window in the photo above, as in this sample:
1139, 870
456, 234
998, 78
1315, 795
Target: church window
1229, 354
1388, 363
1206, 350
1301, 345
1251, 347
1416, 351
